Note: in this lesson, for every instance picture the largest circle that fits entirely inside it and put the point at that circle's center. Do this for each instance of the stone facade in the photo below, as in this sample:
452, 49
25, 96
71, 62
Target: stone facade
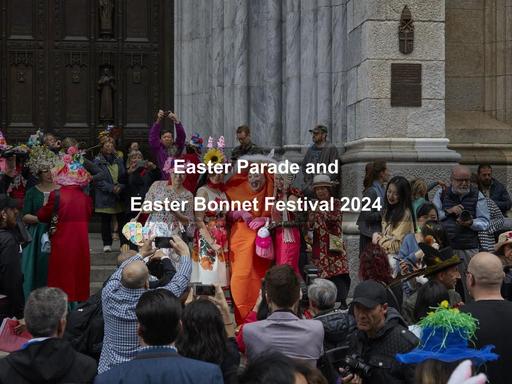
283, 66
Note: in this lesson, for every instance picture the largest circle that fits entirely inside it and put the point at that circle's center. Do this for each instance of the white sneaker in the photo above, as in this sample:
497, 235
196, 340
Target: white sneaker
107, 248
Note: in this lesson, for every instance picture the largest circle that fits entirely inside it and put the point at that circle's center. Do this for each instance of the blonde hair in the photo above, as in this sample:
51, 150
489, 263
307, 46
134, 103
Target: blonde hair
418, 188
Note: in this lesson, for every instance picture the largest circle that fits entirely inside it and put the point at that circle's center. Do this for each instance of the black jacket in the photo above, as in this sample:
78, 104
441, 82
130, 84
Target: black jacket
50, 361
498, 193
338, 327
379, 352
11, 278
138, 184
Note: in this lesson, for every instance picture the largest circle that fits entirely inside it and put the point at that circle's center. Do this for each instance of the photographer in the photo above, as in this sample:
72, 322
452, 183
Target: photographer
121, 294
463, 212
140, 174
381, 334
11, 278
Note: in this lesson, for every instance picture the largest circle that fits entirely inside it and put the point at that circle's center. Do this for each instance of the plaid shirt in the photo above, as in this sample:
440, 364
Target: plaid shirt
120, 342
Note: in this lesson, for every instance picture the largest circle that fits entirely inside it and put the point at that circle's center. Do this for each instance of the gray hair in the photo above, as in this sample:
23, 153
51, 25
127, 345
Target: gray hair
322, 293
44, 309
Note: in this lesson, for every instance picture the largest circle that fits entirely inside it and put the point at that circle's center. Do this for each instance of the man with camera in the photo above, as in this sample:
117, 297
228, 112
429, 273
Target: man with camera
381, 334
121, 294
463, 212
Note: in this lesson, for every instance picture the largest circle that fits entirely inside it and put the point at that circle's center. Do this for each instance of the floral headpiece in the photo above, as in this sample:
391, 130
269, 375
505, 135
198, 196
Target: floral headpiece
35, 139
196, 141
109, 132
41, 159
215, 155
3, 142
71, 171
168, 167
446, 333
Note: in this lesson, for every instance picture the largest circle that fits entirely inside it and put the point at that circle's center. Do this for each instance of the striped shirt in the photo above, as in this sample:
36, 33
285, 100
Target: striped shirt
120, 342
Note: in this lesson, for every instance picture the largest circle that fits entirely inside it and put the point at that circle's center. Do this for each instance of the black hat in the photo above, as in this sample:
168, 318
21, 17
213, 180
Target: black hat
369, 294
319, 128
438, 260
7, 202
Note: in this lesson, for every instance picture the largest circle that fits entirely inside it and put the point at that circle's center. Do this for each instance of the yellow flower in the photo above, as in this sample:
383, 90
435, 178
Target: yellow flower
213, 155
445, 304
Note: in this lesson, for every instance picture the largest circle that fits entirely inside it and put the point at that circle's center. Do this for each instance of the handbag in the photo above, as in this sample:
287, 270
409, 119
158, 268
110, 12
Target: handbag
46, 245
336, 243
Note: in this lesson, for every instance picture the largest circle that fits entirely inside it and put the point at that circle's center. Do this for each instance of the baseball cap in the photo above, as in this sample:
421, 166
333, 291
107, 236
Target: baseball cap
319, 128
369, 294
7, 202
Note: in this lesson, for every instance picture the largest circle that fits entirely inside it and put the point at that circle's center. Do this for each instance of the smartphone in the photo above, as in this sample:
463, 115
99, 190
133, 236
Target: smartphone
204, 290
163, 242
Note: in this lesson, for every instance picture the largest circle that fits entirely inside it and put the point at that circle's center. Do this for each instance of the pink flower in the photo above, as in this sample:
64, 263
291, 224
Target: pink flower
72, 150
67, 158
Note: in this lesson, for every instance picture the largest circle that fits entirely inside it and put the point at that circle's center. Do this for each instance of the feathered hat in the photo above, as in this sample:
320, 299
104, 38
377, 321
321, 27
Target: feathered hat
70, 170
446, 333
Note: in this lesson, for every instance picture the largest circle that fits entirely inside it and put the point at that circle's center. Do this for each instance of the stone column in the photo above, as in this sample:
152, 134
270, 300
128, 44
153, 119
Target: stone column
411, 139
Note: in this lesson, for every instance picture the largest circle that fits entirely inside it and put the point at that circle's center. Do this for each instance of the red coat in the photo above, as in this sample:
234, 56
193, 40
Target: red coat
69, 265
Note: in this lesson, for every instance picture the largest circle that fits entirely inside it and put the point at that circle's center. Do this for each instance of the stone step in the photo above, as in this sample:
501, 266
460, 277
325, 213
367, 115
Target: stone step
104, 258
95, 287
100, 273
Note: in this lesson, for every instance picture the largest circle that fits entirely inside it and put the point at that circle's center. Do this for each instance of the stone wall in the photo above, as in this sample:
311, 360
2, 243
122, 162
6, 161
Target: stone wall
274, 65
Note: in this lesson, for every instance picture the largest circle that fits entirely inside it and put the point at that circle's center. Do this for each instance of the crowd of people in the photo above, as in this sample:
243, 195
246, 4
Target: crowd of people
248, 295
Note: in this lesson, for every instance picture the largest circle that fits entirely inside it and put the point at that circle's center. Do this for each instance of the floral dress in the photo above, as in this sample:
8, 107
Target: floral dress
164, 222
209, 265
328, 262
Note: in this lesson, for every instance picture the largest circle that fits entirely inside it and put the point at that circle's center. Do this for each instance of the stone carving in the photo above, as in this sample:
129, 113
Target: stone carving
406, 32
106, 12
107, 87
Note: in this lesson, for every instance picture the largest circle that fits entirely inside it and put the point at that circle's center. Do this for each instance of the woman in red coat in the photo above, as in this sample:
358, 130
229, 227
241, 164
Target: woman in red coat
69, 264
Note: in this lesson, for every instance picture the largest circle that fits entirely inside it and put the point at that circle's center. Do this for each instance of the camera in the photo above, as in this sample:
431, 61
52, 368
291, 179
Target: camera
204, 290
465, 216
311, 273
356, 365
141, 164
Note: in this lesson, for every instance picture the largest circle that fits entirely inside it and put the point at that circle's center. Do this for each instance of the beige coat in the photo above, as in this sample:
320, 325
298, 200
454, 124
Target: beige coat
391, 239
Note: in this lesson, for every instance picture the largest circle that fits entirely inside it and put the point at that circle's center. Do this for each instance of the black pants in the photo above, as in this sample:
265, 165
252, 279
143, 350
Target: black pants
342, 283
106, 228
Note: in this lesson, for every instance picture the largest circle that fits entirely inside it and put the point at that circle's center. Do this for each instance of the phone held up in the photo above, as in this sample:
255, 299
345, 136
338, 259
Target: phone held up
204, 290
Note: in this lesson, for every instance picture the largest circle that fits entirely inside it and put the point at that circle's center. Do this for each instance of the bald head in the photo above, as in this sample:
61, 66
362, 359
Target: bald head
135, 275
461, 170
487, 270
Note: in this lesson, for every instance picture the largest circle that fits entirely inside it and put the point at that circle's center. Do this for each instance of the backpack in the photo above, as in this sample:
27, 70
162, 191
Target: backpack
84, 329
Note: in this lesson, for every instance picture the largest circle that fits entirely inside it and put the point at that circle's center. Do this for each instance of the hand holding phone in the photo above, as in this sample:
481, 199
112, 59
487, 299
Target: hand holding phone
204, 290
163, 242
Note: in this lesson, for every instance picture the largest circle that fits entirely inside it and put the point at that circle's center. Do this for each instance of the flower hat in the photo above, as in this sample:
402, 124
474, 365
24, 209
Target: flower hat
70, 170
215, 155
41, 159
446, 333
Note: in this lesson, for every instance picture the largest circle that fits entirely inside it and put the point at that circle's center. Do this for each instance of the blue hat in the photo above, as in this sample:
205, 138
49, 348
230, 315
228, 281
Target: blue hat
446, 333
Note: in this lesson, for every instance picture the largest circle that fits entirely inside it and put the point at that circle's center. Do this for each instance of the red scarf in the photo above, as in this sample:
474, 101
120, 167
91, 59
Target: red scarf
220, 186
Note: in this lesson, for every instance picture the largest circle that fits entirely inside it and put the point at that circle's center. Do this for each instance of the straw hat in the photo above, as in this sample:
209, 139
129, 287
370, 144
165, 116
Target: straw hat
322, 181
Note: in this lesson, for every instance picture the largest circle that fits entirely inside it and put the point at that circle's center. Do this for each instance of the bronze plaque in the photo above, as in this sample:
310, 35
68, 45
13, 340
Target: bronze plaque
405, 85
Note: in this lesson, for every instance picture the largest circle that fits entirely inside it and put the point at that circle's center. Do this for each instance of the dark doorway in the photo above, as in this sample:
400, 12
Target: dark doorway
74, 66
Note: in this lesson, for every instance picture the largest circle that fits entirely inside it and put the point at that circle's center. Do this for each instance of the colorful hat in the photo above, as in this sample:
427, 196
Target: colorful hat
35, 139
41, 159
437, 260
505, 238
70, 170
109, 132
446, 333
215, 155
196, 141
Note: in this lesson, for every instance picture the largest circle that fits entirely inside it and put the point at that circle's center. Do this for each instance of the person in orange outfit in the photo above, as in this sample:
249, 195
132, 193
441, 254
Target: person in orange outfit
247, 269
